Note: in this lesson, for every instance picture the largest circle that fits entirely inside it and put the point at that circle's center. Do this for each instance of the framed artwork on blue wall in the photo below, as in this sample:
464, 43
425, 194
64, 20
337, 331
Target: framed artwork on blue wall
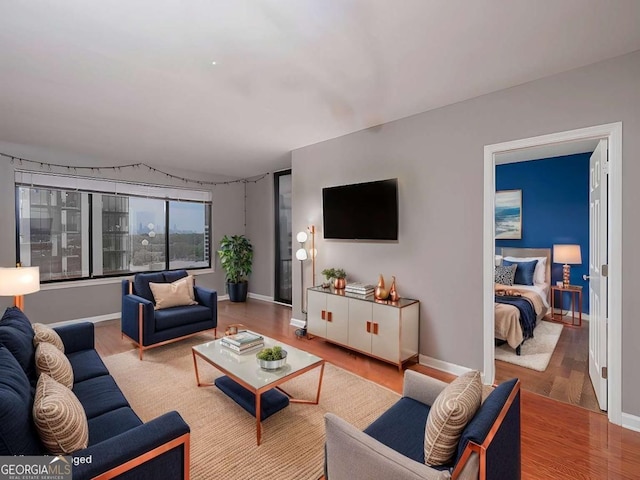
508, 216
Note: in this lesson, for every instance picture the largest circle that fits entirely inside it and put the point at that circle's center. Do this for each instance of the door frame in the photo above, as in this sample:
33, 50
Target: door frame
277, 280
613, 133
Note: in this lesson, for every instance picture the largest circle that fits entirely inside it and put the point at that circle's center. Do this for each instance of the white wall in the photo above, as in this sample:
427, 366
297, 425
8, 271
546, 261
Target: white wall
438, 158
260, 230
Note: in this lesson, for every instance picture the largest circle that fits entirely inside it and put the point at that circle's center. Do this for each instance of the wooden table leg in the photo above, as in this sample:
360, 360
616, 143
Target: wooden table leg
258, 416
320, 383
195, 365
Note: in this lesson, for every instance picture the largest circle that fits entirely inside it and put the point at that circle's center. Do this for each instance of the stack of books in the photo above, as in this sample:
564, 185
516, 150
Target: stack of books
358, 288
243, 341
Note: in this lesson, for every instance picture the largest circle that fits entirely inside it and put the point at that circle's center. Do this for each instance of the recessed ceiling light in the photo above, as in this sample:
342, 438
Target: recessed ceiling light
214, 62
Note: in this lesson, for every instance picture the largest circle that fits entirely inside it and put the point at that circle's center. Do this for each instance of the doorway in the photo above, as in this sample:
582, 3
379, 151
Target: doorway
613, 134
283, 231
553, 218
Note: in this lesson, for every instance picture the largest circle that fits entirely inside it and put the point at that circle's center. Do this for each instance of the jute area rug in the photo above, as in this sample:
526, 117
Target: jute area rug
536, 352
223, 435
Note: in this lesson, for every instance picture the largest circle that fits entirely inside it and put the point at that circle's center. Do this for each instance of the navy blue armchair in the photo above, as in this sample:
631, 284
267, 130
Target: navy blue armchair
148, 327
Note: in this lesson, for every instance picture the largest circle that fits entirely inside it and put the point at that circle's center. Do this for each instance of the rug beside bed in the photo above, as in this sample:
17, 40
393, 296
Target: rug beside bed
536, 352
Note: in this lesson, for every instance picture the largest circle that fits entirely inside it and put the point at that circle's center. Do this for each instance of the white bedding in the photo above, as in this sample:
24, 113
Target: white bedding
541, 289
507, 317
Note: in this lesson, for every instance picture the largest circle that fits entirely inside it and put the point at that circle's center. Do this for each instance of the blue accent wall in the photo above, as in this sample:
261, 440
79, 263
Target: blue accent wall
555, 209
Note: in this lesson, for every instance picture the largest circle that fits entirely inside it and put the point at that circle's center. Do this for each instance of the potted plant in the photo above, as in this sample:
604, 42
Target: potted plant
329, 273
272, 358
338, 275
236, 258
340, 279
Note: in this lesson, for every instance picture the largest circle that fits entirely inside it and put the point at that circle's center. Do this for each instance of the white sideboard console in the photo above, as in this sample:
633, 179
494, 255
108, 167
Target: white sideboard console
379, 328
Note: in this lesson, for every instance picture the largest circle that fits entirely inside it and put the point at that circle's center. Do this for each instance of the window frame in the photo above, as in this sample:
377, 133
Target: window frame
208, 212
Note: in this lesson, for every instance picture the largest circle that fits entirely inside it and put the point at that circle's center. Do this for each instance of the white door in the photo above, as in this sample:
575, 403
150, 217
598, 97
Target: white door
597, 278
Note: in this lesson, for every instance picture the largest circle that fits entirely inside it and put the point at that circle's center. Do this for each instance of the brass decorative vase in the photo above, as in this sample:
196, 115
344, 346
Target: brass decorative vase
381, 293
393, 293
339, 283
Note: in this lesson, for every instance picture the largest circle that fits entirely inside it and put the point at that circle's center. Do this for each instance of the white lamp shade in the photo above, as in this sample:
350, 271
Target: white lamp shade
19, 280
498, 260
567, 254
301, 237
301, 254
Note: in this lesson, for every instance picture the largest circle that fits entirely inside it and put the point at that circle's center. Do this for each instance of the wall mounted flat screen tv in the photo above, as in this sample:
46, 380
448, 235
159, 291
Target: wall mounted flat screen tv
362, 211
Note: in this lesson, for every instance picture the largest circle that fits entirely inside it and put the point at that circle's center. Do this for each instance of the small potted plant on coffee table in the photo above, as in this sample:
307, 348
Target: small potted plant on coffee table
272, 358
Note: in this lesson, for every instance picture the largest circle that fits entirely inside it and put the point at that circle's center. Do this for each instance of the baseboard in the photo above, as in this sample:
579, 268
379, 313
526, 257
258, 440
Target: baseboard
257, 296
632, 422
96, 319
443, 366
297, 322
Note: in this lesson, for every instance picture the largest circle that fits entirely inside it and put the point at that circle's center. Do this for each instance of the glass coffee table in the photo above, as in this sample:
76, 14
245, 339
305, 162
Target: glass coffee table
256, 390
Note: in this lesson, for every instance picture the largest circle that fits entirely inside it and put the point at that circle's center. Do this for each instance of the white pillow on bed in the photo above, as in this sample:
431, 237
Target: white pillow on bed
539, 274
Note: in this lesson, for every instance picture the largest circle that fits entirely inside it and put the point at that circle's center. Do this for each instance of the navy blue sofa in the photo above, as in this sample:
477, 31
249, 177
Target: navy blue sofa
393, 445
120, 444
150, 328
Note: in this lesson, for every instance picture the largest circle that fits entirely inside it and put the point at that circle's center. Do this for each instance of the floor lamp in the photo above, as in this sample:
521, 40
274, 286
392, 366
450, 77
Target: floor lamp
19, 281
302, 256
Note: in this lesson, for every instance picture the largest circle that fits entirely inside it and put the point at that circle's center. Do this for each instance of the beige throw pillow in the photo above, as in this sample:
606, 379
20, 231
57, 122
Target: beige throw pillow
54, 363
174, 294
451, 411
59, 417
190, 284
46, 334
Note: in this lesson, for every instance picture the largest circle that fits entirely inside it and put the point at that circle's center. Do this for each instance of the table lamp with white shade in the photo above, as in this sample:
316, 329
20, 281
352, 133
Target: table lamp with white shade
19, 281
567, 255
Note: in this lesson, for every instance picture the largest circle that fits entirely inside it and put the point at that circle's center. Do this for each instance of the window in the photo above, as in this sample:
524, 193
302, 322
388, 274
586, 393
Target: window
188, 234
73, 234
52, 232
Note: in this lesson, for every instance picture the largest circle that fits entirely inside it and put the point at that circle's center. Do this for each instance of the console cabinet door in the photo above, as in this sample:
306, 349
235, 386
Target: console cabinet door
359, 315
337, 319
316, 304
386, 342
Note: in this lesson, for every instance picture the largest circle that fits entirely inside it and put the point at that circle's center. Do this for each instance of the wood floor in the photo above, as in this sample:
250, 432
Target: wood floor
559, 441
566, 378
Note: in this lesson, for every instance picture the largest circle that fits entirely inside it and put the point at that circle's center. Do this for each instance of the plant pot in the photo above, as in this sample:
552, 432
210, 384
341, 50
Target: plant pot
238, 291
273, 364
339, 283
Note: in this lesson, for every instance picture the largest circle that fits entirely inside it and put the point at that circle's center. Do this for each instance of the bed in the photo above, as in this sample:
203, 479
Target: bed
519, 307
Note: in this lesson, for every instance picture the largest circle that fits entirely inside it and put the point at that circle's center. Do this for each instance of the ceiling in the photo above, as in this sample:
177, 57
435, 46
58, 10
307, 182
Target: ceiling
122, 81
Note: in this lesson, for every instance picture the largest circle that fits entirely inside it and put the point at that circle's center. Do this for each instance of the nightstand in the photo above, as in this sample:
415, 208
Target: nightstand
576, 297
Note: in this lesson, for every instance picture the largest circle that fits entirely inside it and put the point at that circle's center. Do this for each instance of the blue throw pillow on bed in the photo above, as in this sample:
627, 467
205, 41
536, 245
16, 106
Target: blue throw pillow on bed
524, 272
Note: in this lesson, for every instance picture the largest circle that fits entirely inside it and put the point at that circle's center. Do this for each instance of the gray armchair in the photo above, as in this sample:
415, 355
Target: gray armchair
393, 445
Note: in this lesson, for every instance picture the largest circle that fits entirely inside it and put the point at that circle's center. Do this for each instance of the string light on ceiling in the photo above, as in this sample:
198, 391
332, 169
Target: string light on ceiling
48, 166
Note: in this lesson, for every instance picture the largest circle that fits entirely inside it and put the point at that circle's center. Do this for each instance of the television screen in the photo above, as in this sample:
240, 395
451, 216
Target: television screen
362, 211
